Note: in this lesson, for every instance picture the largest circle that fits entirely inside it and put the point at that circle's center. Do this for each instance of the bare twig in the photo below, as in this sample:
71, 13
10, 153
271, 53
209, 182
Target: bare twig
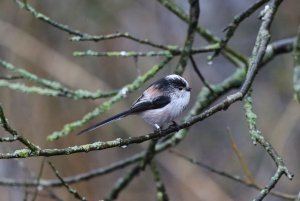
249, 177
69, 188
8, 139
14, 133
39, 176
48, 20
171, 51
230, 176
230, 29
76, 178
278, 47
232, 55
206, 84
98, 38
258, 53
48, 194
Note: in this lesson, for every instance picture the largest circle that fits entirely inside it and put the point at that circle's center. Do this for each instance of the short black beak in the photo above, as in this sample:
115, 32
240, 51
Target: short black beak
188, 89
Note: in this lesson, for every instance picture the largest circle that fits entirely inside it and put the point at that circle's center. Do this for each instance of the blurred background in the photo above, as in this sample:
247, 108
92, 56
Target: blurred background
46, 51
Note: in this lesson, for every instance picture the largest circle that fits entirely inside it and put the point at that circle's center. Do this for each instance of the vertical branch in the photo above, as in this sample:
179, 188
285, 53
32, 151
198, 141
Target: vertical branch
249, 177
193, 21
258, 138
39, 179
161, 193
262, 40
206, 84
296, 57
232, 55
70, 189
14, 133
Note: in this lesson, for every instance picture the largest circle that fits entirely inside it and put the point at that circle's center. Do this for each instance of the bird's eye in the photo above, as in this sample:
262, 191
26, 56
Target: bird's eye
180, 88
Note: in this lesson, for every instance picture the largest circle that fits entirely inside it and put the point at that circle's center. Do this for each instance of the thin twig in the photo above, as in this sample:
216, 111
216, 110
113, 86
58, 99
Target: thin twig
172, 51
50, 88
249, 177
81, 36
98, 38
11, 77
235, 178
122, 53
232, 55
76, 178
194, 13
278, 47
206, 84
230, 29
39, 176
14, 133
8, 139
296, 57
69, 188
48, 20
48, 194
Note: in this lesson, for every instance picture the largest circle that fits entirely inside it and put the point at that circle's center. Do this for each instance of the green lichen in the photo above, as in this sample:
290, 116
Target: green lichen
22, 153
296, 76
160, 196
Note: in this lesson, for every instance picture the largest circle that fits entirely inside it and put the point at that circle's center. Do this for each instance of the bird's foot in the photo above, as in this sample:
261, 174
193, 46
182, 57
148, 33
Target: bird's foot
175, 125
157, 128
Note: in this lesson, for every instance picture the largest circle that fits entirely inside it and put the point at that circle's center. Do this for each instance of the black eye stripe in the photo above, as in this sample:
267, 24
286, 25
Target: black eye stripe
164, 84
178, 83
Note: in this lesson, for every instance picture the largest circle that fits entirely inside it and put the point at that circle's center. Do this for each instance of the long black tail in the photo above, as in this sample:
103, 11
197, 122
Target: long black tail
113, 118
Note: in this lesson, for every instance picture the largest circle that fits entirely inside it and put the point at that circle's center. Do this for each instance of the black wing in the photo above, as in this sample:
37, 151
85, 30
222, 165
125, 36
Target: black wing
146, 104
139, 106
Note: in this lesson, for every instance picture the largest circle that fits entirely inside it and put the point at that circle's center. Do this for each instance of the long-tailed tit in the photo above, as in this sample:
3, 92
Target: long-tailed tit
160, 103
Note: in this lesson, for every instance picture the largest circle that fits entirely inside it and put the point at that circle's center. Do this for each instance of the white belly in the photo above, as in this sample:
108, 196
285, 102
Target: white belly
166, 114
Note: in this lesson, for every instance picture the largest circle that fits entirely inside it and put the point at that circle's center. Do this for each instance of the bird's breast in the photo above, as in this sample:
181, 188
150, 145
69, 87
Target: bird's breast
167, 113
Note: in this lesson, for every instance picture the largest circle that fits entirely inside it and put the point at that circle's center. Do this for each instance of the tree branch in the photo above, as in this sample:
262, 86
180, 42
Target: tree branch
69, 188
232, 177
3, 122
230, 29
188, 44
296, 56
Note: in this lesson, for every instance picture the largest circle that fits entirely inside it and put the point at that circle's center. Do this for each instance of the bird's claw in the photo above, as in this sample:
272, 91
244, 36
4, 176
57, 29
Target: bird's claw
157, 128
175, 125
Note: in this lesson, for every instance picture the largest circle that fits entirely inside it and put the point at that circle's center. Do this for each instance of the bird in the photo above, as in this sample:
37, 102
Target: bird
161, 103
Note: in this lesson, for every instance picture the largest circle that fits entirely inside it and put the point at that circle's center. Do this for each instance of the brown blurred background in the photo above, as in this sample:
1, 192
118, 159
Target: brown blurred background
29, 43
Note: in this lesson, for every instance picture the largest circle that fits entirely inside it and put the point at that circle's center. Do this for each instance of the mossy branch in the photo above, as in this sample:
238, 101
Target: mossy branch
49, 87
296, 57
